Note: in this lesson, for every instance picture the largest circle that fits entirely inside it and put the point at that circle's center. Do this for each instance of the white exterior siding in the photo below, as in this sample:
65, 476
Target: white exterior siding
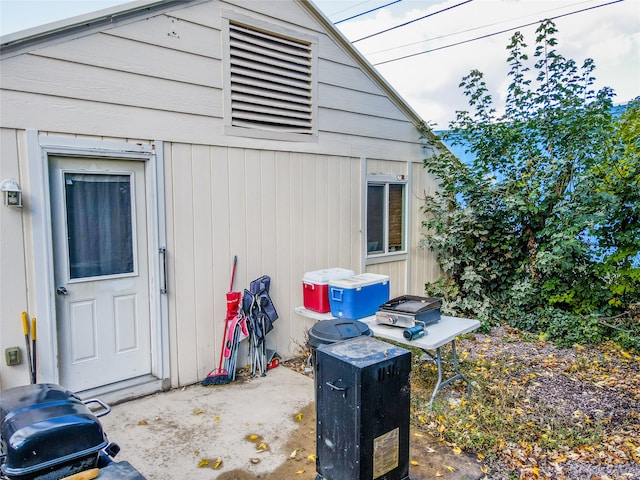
282, 214
284, 208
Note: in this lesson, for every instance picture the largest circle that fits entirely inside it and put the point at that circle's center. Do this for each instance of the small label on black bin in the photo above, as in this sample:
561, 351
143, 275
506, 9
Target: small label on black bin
386, 451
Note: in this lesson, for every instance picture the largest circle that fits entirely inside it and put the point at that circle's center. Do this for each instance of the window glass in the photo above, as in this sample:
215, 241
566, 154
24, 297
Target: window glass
386, 223
396, 218
99, 228
375, 219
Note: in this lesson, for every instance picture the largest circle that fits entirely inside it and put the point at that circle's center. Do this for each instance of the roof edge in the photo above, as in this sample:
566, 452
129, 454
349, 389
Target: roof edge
365, 64
31, 36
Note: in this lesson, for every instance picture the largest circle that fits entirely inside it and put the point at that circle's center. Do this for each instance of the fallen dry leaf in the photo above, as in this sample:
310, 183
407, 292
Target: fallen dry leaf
299, 417
217, 464
294, 453
300, 471
203, 463
414, 463
312, 457
254, 460
142, 422
197, 411
457, 450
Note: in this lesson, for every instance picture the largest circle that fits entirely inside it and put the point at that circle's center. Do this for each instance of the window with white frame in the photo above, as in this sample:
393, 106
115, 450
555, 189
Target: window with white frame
386, 215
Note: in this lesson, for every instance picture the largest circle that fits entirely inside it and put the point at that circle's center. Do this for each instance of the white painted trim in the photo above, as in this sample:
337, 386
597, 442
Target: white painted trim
385, 178
162, 304
43, 259
275, 29
39, 147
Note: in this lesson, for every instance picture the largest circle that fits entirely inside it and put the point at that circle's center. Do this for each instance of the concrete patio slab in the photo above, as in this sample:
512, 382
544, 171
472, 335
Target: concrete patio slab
166, 436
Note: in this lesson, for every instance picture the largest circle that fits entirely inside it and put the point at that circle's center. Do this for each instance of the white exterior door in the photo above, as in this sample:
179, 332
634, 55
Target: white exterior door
101, 270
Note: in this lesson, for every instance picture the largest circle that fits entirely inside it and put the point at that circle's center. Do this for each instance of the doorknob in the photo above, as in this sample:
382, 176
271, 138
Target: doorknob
61, 291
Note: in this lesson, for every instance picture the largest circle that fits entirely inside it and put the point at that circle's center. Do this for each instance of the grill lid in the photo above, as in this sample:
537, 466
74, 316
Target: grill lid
43, 426
411, 304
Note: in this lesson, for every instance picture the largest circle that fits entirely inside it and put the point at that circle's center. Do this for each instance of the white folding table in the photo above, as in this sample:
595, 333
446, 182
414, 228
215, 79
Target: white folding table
438, 335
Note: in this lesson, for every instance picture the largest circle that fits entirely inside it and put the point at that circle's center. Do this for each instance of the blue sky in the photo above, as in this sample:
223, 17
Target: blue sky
429, 82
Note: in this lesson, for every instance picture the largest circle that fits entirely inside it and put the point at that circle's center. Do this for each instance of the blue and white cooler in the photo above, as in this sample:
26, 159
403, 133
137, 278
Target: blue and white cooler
358, 296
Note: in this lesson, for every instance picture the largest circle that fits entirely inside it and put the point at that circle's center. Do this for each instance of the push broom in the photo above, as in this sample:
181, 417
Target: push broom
221, 376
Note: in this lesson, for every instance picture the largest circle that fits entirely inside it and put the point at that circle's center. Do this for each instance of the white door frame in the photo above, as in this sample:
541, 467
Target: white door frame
39, 148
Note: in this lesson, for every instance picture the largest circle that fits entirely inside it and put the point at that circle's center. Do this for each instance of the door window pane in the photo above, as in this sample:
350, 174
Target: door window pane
99, 227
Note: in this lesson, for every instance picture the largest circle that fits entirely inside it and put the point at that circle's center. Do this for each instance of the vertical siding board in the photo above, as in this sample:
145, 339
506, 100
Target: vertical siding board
298, 209
334, 184
220, 246
13, 286
268, 245
343, 221
308, 224
253, 213
325, 189
267, 210
203, 258
284, 233
172, 303
355, 214
184, 255
238, 236
424, 265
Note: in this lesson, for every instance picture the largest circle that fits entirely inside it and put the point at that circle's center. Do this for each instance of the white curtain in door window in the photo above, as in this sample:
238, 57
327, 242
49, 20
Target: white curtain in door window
99, 226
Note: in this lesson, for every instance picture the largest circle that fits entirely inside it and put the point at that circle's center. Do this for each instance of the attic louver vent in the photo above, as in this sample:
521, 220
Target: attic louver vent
270, 81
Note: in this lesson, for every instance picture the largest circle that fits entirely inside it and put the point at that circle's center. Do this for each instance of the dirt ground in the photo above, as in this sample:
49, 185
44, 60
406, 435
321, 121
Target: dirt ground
428, 456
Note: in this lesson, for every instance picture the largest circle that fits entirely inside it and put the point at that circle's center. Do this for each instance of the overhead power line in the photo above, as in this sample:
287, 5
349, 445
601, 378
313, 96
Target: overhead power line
494, 33
411, 21
368, 11
453, 34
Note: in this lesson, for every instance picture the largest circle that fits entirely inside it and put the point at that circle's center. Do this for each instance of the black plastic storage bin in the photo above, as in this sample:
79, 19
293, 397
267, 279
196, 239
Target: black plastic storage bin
47, 433
326, 332
362, 410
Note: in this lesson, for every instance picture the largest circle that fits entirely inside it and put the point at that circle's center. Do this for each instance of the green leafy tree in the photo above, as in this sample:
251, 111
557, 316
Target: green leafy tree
537, 230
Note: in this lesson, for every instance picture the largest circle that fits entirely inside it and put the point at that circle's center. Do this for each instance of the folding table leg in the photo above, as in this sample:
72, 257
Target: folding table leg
458, 376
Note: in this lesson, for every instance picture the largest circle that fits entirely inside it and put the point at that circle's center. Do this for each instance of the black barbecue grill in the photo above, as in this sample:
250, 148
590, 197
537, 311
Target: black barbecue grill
407, 310
48, 433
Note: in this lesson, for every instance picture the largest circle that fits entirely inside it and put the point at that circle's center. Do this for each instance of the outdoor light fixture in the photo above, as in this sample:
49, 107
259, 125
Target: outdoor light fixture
11, 192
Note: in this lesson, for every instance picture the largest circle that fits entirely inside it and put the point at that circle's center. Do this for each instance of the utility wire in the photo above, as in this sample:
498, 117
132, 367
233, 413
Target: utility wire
470, 29
495, 33
411, 21
368, 11
350, 7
